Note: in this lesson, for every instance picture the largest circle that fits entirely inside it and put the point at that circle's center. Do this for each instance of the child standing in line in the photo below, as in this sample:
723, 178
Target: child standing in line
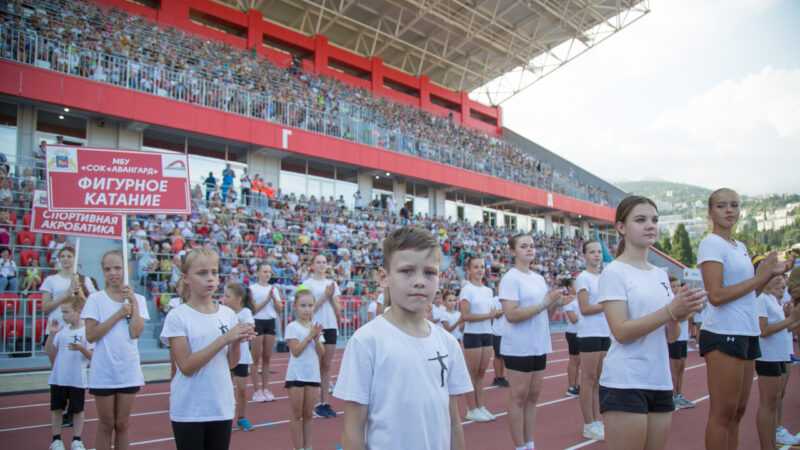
498, 326
571, 334
240, 301
451, 318
204, 342
267, 310
400, 372
68, 380
302, 373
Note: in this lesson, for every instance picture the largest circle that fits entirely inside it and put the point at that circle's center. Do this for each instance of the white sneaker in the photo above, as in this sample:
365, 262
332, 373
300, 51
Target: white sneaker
486, 413
476, 416
590, 432
600, 430
57, 445
782, 436
331, 387
77, 445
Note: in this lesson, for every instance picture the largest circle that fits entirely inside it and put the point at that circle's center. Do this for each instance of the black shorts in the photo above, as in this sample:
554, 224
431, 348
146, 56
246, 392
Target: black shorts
101, 392
330, 336
241, 370
206, 435
526, 364
496, 345
472, 340
678, 349
640, 401
594, 344
742, 347
265, 326
770, 368
572, 343
290, 384
60, 394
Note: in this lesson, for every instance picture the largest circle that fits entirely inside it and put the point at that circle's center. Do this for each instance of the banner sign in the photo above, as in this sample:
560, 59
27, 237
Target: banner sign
72, 223
81, 179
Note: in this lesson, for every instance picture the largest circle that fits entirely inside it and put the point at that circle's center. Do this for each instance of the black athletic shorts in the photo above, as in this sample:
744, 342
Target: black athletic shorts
100, 392
742, 347
641, 401
678, 349
472, 340
291, 384
241, 370
594, 344
572, 343
265, 326
330, 336
205, 435
496, 345
60, 394
526, 364
770, 368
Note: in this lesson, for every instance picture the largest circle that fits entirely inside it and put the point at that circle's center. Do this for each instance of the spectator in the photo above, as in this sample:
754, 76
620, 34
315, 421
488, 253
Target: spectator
8, 272
245, 181
228, 175
211, 185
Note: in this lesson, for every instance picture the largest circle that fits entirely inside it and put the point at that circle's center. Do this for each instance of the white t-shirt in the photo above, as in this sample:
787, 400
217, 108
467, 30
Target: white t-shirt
208, 394
778, 346
738, 317
56, 285
451, 318
173, 303
684, 336
407, 383
593, 325
480, 302
69, 366
499, 323
260, 293
573, 306
306, 366
372, 308
245, 316
380, 298
325, 315
644, 362
115, 362
436, 312
530, 337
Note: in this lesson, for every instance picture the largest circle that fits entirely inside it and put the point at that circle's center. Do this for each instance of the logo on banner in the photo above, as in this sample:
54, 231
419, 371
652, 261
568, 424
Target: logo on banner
174, 166
40, 199
63, 160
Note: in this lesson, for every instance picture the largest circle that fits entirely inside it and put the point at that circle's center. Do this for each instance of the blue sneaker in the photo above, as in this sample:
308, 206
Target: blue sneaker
329, 410
794, 360
320, 411
243, 424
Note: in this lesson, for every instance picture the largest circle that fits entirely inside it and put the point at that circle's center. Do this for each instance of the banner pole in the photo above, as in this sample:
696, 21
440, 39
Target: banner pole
77, 249
125, 249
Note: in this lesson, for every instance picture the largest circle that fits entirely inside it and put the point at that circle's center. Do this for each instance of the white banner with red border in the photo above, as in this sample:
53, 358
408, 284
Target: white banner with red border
73, 223
102, 180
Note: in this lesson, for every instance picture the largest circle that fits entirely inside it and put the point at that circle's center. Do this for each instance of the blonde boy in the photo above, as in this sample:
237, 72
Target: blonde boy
401, 375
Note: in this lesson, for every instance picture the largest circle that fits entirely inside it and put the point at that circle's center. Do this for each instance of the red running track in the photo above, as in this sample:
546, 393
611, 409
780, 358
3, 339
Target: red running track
24, 418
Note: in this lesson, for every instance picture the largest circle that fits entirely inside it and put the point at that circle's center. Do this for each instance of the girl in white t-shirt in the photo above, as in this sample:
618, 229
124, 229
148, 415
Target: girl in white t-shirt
571, 335
730, 330
372, 308
526, 339
302, 373
114, 320
771, 367
268, 307
477, 313
451, 318
204, 340
643, 314
238, 298
58, 287
326, 311
593, 339
498, 327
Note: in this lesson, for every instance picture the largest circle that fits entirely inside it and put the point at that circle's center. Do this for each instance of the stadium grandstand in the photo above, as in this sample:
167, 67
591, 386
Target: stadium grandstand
338, 123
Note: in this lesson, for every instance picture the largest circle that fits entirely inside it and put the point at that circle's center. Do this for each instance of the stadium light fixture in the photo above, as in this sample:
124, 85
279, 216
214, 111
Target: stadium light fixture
66, 109
61, 116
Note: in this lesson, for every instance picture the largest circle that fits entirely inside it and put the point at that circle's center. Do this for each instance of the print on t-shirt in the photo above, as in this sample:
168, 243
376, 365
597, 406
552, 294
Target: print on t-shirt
439, 357
222, 327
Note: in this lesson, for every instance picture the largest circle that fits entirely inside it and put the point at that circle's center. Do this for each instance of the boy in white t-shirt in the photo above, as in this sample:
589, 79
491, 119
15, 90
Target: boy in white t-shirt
68, 379
400, 372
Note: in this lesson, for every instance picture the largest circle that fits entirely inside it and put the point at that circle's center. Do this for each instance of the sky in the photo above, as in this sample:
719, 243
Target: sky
698, 92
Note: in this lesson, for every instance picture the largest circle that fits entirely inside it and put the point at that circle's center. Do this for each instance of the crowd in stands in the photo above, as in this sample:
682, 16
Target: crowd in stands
107, 45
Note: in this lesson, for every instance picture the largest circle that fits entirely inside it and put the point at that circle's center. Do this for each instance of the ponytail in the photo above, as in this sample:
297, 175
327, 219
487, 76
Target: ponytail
620, 247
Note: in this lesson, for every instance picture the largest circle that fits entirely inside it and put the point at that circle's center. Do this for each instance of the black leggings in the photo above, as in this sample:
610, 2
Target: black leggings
202, 435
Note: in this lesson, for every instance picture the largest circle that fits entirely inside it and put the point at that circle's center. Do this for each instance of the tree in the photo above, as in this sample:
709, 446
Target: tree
666, 245
682, 247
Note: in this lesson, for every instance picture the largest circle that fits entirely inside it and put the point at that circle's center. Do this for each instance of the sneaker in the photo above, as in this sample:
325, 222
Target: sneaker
320, 411
590, 432
504, 382
573, 392
243, 424
686, 403
676, 402
66, 420
77, 445
476, 416
330, 411
268, 396
496, 382
783, 437
258, 396
600, 430
794, 360
57, 445
331, 387
487, 414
